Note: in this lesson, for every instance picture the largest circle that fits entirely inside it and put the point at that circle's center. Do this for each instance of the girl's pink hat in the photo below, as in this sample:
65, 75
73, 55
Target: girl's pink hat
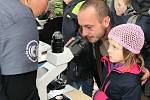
130, 36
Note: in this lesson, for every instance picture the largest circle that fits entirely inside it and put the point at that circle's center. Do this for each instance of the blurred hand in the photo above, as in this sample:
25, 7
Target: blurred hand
95, 88
71, 39
146, 75
120, 6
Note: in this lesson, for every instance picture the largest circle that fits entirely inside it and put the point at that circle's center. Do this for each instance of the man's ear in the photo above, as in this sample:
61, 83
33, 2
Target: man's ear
106, 21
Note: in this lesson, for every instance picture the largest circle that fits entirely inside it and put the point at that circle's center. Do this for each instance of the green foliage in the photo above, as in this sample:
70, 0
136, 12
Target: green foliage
58, 8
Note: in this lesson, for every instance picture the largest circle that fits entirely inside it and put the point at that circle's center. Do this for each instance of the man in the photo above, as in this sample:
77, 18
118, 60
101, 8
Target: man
95, 20
79, 72
19, 45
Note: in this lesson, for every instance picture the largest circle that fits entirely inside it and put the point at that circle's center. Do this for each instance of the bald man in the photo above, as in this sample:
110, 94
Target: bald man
18, 48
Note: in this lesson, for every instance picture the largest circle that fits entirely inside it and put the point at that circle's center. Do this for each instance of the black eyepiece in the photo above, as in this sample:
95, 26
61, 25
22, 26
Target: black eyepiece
57, 42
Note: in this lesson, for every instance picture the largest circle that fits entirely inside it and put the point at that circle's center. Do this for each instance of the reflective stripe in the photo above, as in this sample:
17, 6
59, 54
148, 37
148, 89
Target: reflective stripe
77, 7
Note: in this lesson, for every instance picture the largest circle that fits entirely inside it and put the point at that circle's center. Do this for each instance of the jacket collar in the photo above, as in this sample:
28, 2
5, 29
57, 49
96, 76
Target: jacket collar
134, 68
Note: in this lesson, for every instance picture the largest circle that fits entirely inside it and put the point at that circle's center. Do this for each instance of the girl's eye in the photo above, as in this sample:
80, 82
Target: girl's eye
114, 46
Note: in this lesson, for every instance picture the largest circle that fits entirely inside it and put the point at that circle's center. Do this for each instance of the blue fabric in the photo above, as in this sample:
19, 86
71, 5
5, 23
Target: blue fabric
124, 87
70, 24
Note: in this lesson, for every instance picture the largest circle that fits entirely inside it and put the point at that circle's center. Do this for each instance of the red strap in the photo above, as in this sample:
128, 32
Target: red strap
105, 59
106, 86
100, 95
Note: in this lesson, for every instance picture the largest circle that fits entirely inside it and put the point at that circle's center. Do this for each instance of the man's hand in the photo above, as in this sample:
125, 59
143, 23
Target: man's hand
71, 39
145, 76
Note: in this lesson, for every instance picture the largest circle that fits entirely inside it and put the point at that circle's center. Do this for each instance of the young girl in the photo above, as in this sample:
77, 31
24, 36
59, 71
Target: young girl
123, 81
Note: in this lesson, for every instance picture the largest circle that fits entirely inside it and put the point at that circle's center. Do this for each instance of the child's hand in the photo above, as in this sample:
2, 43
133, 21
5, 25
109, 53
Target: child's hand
145, 76
95, 88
